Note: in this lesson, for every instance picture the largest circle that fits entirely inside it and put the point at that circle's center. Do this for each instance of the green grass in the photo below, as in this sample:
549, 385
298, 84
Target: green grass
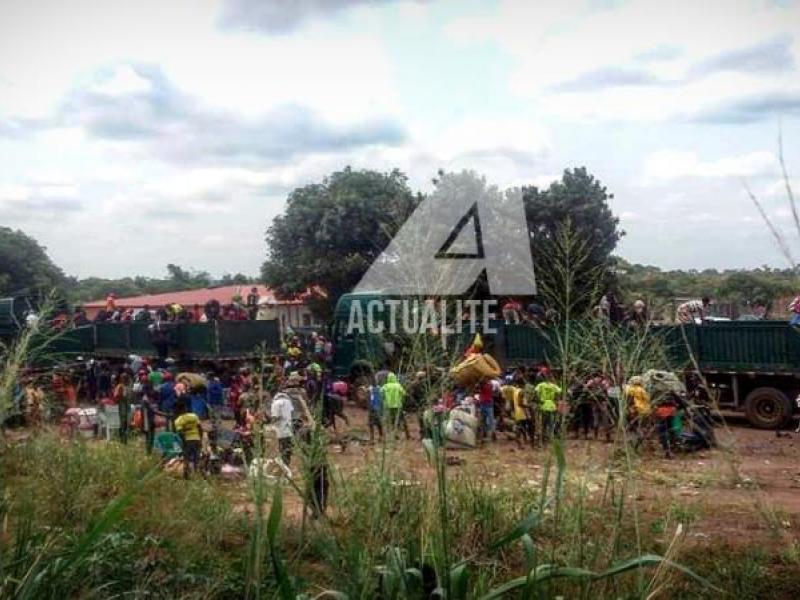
190, 539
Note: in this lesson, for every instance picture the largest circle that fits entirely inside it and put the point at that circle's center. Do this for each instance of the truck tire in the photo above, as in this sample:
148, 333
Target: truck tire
767, 408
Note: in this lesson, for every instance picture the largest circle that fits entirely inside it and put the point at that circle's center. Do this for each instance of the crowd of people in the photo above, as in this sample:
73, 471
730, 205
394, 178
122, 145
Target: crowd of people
238, 309
608, 308
530, 406
296, 394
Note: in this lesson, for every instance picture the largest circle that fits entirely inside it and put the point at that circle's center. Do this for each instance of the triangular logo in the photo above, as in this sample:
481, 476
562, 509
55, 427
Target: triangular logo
464, 241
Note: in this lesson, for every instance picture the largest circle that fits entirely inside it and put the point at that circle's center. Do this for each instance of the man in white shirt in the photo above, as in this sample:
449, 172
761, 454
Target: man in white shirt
281, 412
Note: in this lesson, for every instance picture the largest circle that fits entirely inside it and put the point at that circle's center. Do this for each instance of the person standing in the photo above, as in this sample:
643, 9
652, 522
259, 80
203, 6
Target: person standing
187, 424
281, 413
547, 392
168, 398
312, 384
91, 381
122, 397
104, 389
393, 396
486, 407
375, 411
34, 401
149, 409
252, 303
296, 391
156, 378
215, 393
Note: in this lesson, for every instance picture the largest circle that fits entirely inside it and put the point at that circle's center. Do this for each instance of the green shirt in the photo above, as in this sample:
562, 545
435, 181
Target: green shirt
393, 392
547, 392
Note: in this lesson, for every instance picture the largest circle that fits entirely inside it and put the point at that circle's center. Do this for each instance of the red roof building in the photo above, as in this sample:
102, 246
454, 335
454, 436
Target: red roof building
292, 313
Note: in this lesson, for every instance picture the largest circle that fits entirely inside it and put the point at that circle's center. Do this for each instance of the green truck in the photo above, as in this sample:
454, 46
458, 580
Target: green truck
752, 367
217, 340
12, 315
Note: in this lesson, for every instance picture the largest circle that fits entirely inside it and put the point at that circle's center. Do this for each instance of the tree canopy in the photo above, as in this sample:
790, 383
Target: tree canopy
744, 288
25, 265
332, 231
580, 202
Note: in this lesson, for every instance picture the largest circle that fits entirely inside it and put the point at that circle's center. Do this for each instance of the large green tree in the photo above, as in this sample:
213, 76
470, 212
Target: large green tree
580, 202
331, 232
25, 265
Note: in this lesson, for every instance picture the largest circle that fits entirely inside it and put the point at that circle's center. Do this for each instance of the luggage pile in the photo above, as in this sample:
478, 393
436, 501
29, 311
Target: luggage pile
461, 429
461, 426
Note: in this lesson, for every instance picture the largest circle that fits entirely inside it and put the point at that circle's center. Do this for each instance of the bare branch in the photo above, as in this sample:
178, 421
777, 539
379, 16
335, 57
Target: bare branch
782, 245
787, 182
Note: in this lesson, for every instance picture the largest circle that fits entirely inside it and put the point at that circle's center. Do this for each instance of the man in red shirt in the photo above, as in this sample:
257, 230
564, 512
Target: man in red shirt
486, 407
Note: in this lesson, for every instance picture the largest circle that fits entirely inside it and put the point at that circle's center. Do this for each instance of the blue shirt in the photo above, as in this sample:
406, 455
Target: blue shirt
198, 404
215, 397
375, 399
168, 397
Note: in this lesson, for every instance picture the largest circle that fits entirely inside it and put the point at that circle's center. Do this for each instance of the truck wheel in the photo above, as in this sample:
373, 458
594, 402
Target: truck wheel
767, 408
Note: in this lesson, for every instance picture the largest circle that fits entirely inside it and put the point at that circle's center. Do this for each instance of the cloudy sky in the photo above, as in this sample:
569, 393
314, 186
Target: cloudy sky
133, 134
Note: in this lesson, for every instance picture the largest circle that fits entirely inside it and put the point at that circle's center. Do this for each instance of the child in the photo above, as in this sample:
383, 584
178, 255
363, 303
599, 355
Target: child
188, 426
665, 413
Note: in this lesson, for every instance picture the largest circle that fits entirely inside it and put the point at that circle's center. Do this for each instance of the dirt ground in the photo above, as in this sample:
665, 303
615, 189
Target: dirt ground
745, 491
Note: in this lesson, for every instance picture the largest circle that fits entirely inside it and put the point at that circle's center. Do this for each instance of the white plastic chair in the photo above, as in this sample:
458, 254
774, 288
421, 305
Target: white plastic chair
110, 419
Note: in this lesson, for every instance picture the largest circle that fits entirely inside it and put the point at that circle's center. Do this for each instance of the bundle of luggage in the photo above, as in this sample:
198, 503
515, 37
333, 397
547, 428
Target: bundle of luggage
461, 428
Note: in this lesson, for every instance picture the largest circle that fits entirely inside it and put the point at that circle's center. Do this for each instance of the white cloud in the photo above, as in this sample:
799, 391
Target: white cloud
720, 51
675, 164
123, 80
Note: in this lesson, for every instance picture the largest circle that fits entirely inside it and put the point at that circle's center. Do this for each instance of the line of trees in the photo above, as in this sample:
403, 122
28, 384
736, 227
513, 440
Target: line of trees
331, 231
25, 266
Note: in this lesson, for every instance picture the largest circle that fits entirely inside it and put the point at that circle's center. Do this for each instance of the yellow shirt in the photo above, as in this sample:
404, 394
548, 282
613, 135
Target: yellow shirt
189, 425
640, 397
516, 399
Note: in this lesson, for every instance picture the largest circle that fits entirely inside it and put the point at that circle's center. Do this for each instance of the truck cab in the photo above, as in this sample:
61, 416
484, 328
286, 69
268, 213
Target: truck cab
13, 310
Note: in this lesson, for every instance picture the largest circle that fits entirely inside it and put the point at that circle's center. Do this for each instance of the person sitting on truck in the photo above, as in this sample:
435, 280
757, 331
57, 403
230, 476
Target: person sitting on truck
637, 317
794, 308
79, 317
511, 311
252, 303
689, 312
